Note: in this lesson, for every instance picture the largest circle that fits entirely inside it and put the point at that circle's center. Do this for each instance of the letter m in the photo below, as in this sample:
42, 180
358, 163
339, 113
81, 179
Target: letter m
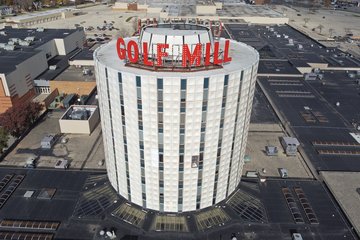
188, 57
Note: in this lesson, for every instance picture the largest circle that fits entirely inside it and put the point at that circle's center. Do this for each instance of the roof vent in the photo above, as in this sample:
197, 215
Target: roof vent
10, 47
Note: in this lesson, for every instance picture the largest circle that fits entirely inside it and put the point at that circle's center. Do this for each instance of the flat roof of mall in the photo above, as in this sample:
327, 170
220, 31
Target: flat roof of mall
308, 107
273, 43
346, 189
73, 73
10, 58
84, 203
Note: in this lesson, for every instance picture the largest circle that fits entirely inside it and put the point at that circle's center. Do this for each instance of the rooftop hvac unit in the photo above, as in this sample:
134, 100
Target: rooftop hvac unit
52, 67
15, 40
297, 236
24, 43
86, 71
2, 45
79, 115
40, 29
2, 33
10, 47
300, 46
30, 39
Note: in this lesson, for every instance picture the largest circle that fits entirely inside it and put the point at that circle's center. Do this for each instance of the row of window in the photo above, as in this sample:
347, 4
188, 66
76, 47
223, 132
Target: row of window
126, 156
202, 141
111, 127
234, 134
141, 140
182, 143
160, 142
218, 157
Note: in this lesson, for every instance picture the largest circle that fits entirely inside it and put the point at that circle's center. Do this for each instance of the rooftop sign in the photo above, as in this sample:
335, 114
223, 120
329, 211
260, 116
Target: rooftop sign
194, 55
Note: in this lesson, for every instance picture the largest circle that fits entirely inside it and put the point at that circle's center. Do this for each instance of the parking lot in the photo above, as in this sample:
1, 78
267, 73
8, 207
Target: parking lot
82, 151
123, 22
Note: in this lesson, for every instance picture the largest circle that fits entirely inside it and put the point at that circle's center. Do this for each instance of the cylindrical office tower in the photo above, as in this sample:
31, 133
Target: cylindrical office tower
175, 107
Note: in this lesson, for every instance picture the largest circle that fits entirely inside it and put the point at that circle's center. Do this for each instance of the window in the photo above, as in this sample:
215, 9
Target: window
159, 83
194, 161
206, 83
138, 81
183, 84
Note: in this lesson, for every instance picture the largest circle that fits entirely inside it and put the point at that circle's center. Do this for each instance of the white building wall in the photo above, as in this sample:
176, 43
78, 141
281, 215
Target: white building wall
171, 105
194, 95
70, 42
105, 122
227, 137
150, 122
132, 132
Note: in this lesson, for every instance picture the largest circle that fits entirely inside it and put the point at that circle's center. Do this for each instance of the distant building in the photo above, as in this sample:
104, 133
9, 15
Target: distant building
261, 2
27, 53
6, 10
29, 19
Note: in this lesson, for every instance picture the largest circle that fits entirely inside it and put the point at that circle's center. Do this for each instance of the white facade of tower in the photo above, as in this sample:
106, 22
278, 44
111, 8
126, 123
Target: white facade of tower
175, 141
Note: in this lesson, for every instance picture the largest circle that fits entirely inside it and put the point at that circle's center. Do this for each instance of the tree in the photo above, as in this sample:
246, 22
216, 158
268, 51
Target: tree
320, 27
347, 30
17, 119
306, 20
3, 139
327, 3
9, 2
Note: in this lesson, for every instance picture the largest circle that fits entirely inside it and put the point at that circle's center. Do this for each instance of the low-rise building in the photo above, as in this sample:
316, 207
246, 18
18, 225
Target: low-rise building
29, 19
27, 53
80, 119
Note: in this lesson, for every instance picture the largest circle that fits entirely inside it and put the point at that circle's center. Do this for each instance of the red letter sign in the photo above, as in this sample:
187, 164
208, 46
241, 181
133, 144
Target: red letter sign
187, 56
145, 55
120, 51
132, 46
207, 54
160, 53
226, 52
216, 54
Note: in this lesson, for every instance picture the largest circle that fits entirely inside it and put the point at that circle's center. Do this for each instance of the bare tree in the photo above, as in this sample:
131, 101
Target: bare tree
331, 32
320, 27
283, 10
306, 20
122, 32
134, 24
348, 31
